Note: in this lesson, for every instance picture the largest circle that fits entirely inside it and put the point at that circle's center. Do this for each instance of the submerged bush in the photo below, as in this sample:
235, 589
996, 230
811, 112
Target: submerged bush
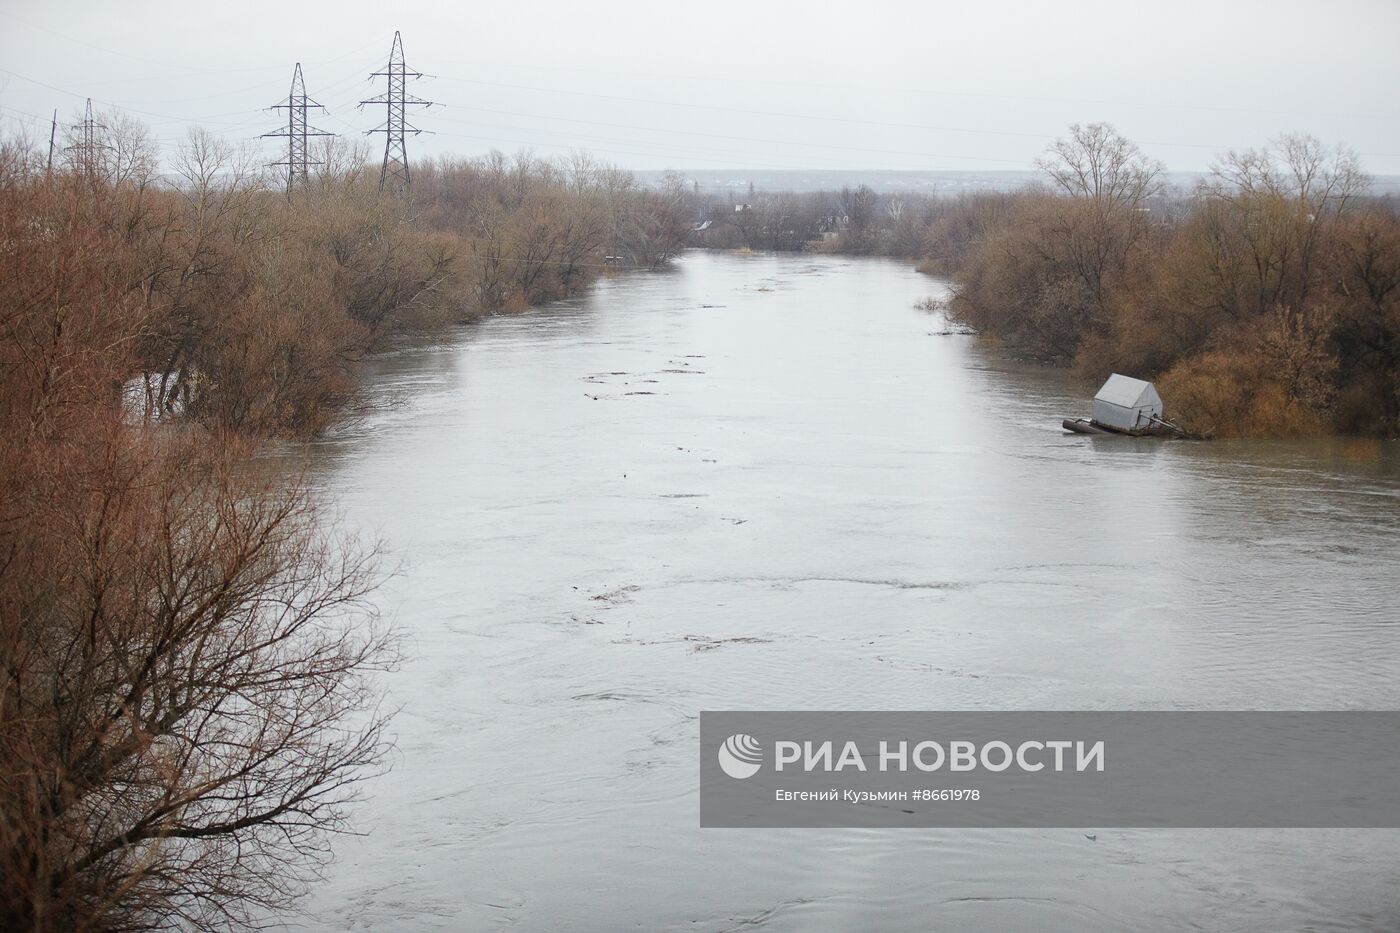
1268, 303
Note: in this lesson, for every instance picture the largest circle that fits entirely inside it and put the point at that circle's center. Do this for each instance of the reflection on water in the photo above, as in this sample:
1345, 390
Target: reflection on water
771, 483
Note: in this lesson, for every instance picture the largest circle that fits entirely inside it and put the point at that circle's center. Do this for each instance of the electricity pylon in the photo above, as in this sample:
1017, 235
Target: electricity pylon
298, 132
393, 173
88, 144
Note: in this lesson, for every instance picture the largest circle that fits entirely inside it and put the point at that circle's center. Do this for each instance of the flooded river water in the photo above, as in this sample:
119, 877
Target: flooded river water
771, 482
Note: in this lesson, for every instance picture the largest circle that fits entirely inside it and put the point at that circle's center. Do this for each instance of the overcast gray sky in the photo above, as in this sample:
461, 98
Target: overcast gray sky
720, 84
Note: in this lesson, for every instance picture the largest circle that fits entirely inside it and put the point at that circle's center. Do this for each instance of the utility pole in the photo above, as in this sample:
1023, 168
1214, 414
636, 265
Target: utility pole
53, 133
88, 144
298, 133
393, 174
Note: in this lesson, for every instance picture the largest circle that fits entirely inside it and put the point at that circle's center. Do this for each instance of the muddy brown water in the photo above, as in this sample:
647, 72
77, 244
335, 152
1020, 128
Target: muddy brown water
770, 482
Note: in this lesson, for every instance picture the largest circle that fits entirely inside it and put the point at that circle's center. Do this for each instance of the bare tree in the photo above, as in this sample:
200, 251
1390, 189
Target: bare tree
1109, 180
184, 647
1296, 167
858, 208
1095, 162
130, 157
1268, 212
340, 165
185, 712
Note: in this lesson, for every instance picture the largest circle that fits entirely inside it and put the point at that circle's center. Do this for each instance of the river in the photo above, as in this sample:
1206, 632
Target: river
772, 482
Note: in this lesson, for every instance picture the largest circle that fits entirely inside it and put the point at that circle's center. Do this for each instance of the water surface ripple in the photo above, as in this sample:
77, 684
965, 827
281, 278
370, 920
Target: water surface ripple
771, 482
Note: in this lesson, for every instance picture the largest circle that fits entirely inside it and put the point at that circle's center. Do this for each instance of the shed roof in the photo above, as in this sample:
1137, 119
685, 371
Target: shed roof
1128, 392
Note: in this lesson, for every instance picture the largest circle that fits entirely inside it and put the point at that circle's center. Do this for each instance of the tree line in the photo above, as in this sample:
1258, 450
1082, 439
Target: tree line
187, 647
1266, 299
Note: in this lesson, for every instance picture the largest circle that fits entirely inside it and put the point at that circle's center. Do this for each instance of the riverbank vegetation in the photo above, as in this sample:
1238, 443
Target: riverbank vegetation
1266, 300
185, 643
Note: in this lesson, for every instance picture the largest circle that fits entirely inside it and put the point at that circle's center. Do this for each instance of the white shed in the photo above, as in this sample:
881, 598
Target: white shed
1127, 404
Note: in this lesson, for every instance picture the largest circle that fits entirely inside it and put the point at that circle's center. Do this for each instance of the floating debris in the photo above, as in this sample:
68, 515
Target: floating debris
705, 643
621, 594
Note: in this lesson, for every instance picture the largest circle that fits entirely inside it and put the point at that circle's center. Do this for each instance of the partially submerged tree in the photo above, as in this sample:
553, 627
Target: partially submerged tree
185, 707
1268, 302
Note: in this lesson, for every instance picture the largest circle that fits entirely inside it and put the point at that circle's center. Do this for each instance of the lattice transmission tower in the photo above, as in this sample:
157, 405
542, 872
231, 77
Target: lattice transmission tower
88, 148
298, 132
393, 174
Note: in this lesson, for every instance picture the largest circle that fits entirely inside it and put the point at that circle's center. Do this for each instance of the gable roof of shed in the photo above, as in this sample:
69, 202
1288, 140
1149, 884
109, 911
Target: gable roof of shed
1127, 392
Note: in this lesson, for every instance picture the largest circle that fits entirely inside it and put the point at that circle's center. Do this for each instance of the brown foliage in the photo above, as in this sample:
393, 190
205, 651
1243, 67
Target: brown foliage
1269, 302
183, 646
1229, 394
185, 710
531, 231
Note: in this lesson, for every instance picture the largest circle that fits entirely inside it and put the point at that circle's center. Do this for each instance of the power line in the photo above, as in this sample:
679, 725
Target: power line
395, 172
745, 139
829, 118
822, 117
172, 66
746, 81
147, 113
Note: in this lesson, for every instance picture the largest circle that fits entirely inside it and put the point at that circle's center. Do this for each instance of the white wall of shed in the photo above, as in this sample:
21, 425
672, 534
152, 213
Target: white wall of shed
1126, 419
